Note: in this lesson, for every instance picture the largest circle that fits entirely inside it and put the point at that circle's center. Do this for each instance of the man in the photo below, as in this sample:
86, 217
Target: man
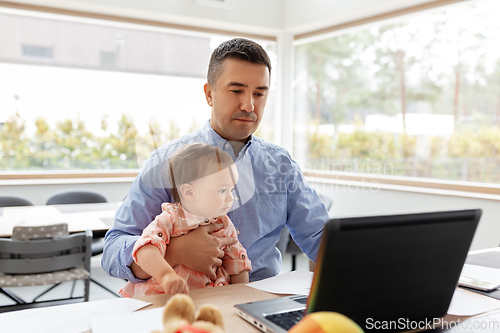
271, 192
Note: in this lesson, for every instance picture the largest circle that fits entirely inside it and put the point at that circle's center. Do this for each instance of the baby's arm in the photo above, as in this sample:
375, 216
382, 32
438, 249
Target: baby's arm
153, 263
240, 278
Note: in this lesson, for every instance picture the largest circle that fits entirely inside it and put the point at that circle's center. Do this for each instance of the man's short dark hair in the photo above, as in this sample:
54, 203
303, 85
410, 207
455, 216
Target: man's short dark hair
237, 48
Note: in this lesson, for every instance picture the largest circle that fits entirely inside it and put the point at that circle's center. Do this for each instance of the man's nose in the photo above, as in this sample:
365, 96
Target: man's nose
247, 103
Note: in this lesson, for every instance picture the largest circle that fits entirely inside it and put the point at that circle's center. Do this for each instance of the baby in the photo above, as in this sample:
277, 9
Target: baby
202, 179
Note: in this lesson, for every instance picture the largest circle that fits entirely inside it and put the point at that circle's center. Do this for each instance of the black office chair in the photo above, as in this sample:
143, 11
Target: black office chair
76, 196
287, 245
81, 196
13, 200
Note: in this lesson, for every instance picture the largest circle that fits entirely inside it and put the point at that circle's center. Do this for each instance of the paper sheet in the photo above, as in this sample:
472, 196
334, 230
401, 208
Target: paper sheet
48, 215
70, 318
295, 282
31, 216
144, 321
463, 303
29, 213
92, 214
79, 223
481, 273
467, 303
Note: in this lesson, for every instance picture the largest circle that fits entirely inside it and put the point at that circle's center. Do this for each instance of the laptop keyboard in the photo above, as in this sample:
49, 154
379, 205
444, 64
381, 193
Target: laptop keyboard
286, 320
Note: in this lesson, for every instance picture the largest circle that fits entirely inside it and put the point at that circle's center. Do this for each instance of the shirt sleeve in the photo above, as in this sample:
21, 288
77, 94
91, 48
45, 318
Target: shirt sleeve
306, 213
143, 203
235, 258
157, 233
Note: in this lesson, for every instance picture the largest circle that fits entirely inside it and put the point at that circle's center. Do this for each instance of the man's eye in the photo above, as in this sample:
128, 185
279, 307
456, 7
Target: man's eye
236, 91
259, 94
222, 191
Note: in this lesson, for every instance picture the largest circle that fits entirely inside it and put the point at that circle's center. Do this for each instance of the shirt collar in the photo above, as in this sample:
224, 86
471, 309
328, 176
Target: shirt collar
219, 141
192, 219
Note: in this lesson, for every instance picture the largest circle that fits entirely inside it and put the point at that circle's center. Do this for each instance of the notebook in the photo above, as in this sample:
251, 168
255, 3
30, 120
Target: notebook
381, 271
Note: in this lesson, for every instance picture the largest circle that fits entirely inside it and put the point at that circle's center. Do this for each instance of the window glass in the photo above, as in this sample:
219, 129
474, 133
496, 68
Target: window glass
417, 96
79, 94
37, 51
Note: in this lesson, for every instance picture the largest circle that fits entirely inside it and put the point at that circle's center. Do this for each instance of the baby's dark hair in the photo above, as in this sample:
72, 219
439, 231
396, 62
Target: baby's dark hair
194, 161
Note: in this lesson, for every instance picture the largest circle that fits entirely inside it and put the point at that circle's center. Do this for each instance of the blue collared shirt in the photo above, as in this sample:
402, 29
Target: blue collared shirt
271, 193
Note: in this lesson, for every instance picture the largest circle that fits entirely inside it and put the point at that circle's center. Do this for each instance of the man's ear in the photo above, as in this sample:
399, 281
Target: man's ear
187, 192
208, 93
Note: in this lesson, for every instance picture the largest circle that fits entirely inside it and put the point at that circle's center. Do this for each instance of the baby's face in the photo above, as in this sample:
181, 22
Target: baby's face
213, 193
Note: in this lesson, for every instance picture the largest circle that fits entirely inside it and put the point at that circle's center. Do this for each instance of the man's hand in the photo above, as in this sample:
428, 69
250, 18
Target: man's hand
199, 250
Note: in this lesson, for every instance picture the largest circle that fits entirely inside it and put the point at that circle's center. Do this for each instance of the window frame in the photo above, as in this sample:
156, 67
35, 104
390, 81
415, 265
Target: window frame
466, 189
24, 177
285, 42
132, 20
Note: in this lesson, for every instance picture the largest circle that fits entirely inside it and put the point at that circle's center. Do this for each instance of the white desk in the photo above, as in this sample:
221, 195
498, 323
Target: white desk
79, 217
225, 297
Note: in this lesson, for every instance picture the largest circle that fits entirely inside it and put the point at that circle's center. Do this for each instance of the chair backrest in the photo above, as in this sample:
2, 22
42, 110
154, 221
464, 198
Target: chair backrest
45, 255
40, 232
13, 200
76, 196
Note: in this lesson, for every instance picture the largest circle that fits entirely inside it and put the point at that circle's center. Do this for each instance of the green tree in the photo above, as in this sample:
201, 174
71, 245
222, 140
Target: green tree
75, 144
119, 149
13, 143
492, 84
45, 154
337, 81
402, 49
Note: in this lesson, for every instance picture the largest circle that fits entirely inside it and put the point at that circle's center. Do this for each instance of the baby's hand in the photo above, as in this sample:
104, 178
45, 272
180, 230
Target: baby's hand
174, 284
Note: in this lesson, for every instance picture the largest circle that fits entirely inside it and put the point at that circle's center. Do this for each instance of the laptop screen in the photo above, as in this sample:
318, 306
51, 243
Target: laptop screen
384, 269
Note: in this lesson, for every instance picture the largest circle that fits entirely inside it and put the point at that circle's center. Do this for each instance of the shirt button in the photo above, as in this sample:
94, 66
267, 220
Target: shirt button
227, 145
242, 256
236, 198
206, 220
237, 231
160, 234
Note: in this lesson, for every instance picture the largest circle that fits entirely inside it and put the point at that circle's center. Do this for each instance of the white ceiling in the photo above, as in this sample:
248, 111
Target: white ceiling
305, 16
269, 17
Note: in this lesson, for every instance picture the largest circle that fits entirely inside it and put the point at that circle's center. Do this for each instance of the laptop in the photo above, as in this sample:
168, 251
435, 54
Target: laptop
381, 271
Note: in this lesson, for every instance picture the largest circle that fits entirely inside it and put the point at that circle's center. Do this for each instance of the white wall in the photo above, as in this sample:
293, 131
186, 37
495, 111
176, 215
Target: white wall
114, 191
351, 199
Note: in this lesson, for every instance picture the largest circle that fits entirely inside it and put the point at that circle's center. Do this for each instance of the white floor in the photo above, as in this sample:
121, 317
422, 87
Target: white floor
97, 273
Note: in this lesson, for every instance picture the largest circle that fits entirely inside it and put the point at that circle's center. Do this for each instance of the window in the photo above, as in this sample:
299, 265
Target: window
108, 88
108, 59
36, 51
418, 96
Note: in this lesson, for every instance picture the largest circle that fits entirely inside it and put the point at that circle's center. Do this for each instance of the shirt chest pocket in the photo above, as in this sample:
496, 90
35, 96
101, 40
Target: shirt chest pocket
272, 212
